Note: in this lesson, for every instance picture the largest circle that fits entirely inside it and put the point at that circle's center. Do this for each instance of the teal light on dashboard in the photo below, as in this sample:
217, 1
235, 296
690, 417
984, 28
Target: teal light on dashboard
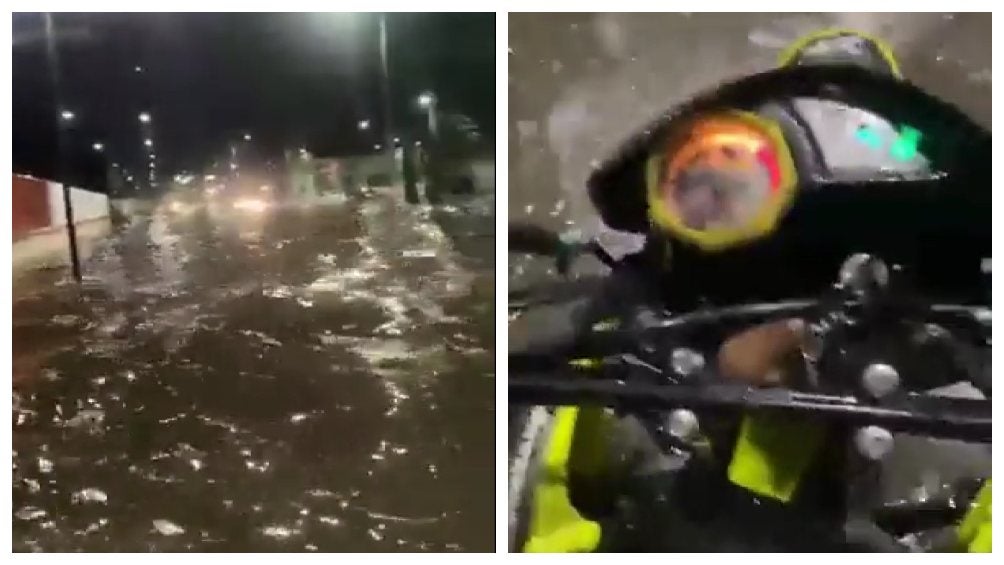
905, 146
868, 136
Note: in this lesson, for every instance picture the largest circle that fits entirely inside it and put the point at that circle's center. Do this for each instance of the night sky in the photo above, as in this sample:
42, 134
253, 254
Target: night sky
290, 80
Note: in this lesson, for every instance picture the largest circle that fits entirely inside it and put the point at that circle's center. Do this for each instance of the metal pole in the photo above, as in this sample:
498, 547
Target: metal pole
71, 228
433, 119
388, 121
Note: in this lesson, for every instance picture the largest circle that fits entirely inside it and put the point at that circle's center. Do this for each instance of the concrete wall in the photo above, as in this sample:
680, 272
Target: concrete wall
30, 205
40, 238
87, 205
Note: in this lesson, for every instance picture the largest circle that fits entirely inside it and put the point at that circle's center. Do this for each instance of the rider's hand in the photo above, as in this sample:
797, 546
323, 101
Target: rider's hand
763, 355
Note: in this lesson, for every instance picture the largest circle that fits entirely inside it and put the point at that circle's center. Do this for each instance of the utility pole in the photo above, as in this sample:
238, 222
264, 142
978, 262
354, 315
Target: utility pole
388, 129
71, 228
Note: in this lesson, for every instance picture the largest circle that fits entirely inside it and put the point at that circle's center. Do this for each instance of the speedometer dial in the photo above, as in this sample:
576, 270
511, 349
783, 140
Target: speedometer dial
724, 180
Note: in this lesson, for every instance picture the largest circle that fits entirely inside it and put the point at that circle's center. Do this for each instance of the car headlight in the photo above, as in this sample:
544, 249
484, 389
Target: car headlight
251, 204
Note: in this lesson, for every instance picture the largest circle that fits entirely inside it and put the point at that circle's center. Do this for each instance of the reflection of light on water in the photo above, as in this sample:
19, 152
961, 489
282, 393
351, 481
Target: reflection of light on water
397, 396
329, 520
386, 447
279, 531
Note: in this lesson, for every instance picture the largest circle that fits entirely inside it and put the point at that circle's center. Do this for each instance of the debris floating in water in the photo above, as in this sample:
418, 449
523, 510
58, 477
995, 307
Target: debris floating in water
29, 513
167, 528
87, 495
65, 319
329, 520
89, 420
418, 253
279, 532
44, 465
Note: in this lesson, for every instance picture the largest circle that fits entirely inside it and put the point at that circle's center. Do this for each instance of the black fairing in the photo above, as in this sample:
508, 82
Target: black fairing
936, 225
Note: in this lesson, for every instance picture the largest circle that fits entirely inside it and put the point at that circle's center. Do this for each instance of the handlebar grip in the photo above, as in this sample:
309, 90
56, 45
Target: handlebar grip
528, 238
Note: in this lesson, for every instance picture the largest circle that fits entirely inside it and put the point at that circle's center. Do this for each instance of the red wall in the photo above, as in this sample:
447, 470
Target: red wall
30, 206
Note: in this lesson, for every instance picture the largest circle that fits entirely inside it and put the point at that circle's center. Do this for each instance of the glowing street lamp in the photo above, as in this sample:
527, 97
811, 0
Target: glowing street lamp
364, 125
427, 101
144, 117
67, 116
247, 137
98, 146
148, 142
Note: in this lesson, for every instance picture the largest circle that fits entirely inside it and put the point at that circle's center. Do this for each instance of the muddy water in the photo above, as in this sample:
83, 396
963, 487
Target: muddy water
292, 380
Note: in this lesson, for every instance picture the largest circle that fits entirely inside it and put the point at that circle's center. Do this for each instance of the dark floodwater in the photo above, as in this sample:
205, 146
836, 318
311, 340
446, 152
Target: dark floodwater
298, 379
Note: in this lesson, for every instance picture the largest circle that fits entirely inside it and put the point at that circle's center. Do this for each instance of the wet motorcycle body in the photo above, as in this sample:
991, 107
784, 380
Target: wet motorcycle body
858, 164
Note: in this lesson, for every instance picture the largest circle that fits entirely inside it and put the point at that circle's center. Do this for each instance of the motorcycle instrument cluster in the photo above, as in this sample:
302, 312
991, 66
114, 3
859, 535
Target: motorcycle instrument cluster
723, 180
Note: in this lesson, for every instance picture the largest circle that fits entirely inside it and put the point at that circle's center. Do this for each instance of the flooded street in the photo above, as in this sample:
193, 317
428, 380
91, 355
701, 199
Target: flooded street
299, 378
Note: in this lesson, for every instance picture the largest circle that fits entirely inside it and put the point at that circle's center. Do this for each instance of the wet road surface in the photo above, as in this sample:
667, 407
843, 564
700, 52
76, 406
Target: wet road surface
297, 379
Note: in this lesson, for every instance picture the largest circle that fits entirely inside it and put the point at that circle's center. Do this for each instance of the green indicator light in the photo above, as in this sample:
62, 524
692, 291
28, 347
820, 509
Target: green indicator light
868, 136
905, 146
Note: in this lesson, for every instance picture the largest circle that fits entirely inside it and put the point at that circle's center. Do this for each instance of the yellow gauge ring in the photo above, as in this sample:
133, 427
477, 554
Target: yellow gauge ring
790, 53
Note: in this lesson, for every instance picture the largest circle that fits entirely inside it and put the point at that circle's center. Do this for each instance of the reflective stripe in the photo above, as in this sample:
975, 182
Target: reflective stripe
772, 454
974, 531
555, 525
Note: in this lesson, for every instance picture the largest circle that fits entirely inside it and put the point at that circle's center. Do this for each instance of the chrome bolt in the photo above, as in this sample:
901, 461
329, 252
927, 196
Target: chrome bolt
686, 362
862, 273
873, 442
880, 379
682, 423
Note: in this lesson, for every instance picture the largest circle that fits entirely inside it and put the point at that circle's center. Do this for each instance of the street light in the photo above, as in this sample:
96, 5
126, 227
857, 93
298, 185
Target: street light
427, 101
377, 147
98, 146
364, 125
144, 117
148, 142
67, 115
138, 69
247, 137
